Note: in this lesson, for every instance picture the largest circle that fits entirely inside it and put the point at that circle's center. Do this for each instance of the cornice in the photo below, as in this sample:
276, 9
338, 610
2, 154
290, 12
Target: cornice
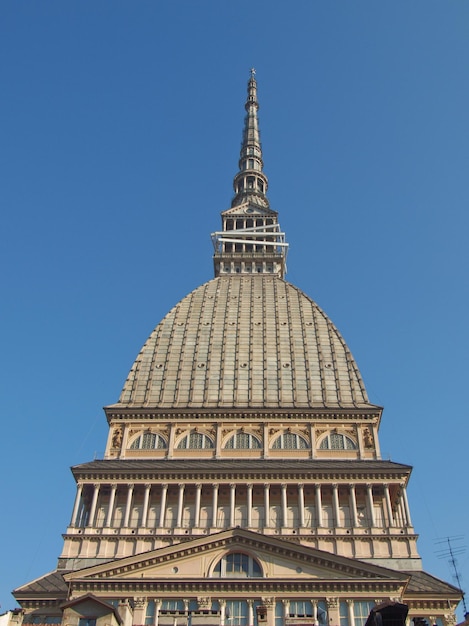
224, 586
343, 478
116, 412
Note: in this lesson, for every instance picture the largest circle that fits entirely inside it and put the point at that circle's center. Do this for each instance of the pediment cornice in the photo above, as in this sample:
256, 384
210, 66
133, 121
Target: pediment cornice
339, 567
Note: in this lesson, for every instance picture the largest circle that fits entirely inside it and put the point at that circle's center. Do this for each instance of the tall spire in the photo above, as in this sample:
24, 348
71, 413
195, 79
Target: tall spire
250, 241
250, 183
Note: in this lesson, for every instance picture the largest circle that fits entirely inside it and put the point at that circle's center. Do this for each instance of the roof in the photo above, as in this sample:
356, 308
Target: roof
421, 582
52, 582
245, 342
242, 466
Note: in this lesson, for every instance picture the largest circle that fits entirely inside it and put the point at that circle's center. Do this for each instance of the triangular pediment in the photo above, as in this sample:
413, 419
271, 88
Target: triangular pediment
249, 209
196, 559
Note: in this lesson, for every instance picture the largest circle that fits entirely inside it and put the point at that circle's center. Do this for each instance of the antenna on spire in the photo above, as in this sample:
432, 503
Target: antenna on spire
450, 553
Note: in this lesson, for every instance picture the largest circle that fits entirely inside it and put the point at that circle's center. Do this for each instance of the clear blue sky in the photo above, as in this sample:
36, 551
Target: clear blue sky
120, 131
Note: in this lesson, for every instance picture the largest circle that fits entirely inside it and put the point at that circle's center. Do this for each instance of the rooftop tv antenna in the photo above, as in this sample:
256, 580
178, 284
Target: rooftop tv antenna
450, 552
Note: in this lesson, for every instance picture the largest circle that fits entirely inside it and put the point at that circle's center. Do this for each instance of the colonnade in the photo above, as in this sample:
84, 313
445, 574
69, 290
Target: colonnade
281, 505
276, 611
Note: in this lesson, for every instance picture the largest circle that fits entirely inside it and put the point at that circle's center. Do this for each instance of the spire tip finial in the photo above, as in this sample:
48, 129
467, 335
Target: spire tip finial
253, 72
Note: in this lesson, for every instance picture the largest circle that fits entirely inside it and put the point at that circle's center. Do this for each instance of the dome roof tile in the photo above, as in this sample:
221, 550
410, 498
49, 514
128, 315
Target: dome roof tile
245, 342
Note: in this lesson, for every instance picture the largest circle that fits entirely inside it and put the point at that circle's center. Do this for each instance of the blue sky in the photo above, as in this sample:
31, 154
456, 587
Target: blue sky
121, 125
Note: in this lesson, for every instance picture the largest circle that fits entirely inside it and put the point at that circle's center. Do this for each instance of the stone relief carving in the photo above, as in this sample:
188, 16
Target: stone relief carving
367, 438
117, 438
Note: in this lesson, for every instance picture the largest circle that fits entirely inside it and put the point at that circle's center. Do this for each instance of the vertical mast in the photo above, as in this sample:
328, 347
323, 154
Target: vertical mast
250, 183
250, 241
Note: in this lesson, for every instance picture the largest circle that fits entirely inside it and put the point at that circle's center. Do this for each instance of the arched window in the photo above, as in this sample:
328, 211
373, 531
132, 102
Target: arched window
290, 441
148, 441
243, 441
195, 441
237, 565
337, 441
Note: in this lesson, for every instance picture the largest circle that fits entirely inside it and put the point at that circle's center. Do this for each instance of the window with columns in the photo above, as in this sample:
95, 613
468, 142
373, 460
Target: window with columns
195, 441
237, 613
361, 610
290, 441
237, 565
172, 605
337, 441
148, 441
300, 607
285, 609
243, 441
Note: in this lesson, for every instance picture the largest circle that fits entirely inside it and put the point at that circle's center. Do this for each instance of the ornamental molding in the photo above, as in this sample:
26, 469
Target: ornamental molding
121, 413
363, 575
211, 586
311, 476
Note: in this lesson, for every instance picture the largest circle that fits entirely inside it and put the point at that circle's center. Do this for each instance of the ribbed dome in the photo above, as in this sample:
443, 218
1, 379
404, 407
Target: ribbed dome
241, 342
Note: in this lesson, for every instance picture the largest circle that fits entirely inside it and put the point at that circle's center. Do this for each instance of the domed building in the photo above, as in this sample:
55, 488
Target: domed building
242, 482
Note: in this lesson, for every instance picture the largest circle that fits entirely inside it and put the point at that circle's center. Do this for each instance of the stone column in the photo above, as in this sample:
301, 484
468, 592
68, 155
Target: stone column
215, 505
94, 502
218, 441
76, 506
250, 612
110, 511
319, 507
180, 505
284, 505
387, 498
266, 434
249, 505
171, 438
267, 505
198, 490
353, 507
335, 504
157, 611
315, 612
351, 616
164, 494
371, 510
405, 506
222, 604
301, 505
128, 505
232, 504
146, 499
